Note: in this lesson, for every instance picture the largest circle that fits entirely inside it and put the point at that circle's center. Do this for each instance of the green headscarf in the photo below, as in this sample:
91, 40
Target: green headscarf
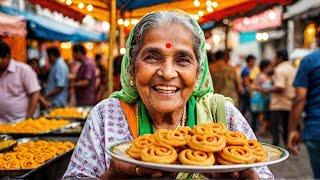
203, 105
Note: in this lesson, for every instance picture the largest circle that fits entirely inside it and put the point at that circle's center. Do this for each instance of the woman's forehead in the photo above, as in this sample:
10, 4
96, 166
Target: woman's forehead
175, 37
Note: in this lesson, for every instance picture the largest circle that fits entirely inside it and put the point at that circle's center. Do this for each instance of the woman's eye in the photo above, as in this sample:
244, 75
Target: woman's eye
184, 60
151, 58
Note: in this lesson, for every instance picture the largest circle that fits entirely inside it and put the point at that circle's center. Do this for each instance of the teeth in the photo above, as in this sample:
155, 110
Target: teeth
166, 88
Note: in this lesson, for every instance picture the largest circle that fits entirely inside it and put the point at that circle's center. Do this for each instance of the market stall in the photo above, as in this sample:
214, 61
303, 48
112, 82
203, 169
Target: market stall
13, 31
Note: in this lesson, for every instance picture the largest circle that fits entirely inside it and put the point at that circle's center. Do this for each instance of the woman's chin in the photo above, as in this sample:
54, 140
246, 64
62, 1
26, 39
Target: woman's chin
166, 107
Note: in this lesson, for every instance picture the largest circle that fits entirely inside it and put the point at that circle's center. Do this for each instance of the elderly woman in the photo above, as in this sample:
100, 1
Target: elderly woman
165, 84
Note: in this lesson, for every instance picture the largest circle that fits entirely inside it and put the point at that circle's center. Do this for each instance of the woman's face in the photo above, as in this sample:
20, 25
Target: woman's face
166, 69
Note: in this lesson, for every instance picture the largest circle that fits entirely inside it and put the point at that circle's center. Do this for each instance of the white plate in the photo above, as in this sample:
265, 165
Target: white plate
275, 155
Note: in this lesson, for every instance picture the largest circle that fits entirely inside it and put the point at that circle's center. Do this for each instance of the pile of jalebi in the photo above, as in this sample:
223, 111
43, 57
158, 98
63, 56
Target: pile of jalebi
33, 126
68, 112
205, 144
6, 143
33, 154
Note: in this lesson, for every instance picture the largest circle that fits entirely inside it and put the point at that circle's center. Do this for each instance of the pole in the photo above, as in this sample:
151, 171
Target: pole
112, 40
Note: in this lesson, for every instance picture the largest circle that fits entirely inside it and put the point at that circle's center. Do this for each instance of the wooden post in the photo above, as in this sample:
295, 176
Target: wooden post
112, 40
122, 39
227, 36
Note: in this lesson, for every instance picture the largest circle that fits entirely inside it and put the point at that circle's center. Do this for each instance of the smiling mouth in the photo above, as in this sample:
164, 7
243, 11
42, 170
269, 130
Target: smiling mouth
165, 89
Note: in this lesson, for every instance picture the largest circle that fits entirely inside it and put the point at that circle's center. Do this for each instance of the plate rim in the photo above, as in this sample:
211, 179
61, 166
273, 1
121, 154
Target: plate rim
192, 167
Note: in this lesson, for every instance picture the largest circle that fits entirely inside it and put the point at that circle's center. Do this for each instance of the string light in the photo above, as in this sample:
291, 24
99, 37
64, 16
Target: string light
126, 23
89, 45
122, 50
120, 21
196, 17
196, 3
214, 4
210, 9
208, 3
134, 21
90, 7
69, 2
65, 45
81, 5
200, 13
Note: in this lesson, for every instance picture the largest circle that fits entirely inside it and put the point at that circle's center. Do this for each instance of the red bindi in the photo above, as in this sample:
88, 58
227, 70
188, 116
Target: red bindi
168, 45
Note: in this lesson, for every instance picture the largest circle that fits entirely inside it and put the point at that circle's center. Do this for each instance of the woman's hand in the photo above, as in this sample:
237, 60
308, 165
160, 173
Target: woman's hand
122, 169
245, 174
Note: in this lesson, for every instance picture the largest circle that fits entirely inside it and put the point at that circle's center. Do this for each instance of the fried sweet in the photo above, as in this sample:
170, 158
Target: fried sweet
141, 142
6, 143
211, 128
159, 154
203, 145
12, 164
33, 126
68, 112
195, 157
236, 155
173, 138
33, 154
258, 151
28, 164
207, 143
236, 138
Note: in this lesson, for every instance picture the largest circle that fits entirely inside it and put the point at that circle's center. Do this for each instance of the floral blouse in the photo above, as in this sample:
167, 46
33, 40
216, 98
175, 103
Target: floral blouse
107, 124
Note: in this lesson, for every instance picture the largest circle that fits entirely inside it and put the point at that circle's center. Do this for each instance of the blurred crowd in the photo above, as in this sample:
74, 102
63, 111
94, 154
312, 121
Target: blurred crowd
262, 90
274, 95
27, 89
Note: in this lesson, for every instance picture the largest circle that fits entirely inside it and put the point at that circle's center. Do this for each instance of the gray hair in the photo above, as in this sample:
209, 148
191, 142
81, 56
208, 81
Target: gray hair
162, 19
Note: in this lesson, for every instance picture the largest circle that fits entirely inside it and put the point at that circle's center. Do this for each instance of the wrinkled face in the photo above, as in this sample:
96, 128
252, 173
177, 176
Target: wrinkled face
166, 69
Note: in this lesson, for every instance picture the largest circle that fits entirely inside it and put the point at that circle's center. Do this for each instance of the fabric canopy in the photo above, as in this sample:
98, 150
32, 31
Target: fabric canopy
241, 9
56, 6
12, 26
45, 28
134, 4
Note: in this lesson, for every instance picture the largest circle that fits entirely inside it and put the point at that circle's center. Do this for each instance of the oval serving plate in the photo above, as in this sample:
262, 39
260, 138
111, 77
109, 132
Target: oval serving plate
275, 155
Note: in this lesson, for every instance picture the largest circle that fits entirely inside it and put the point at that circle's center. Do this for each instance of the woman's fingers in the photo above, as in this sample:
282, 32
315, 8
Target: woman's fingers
248, 174
126, 169
141, 171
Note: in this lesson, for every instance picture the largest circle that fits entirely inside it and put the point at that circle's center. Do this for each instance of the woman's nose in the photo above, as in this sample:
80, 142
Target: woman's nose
167, 71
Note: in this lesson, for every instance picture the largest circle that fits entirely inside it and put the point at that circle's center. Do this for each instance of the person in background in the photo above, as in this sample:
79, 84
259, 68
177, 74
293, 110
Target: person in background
116, 73
101, 79
85, 79
19, 88
73, 66
224, 77
259, 103
307, 88
56, 91
246, 82
282, 93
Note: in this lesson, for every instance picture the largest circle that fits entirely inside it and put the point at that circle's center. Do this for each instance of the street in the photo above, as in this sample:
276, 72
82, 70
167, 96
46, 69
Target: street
295, 167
